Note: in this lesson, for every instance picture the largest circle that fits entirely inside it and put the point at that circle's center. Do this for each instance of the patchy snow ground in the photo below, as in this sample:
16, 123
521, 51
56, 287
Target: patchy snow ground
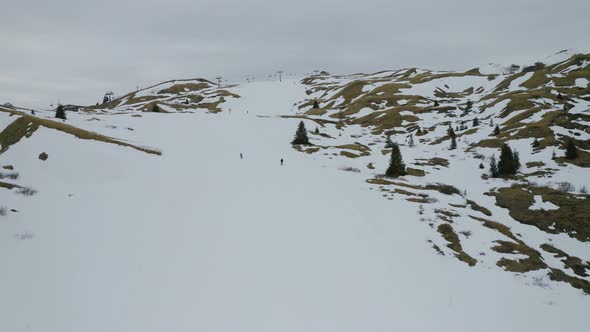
199, 240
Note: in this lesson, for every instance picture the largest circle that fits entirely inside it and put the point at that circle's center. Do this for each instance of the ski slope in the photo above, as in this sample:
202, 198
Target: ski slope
199, 240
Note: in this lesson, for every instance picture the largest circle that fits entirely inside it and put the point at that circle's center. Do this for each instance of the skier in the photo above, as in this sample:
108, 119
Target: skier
241, 156
282, 161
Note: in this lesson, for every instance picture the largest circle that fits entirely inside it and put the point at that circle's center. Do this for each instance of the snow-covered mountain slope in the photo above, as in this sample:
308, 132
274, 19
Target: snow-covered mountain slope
152, 221
536, 110
170, 96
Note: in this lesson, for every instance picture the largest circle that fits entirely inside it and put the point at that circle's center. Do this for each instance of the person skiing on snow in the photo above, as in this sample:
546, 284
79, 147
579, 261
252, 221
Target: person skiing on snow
241, 156
282, 161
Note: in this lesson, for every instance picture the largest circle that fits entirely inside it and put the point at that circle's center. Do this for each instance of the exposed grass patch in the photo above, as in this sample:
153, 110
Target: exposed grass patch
17, 130
184, 88
571, 218
443, 188
535, 164
477, 207
9, 186
415, 172
454, 244
436, 161
501, 228
26, 125
362, 149
349, 154
574, 263
558, 275
531, 263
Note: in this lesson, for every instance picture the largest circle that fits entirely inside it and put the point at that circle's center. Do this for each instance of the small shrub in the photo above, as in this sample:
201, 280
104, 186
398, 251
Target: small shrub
26, 191
12, 175
565, 187
465, 233
350, 169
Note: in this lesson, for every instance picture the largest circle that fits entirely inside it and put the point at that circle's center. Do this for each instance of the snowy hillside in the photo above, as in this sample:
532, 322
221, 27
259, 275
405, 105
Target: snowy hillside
124, 219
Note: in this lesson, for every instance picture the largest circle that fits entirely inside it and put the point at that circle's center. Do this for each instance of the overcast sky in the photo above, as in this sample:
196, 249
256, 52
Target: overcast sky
75, 50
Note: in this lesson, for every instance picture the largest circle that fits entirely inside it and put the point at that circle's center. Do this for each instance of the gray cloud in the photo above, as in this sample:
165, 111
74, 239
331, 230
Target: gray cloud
74, 51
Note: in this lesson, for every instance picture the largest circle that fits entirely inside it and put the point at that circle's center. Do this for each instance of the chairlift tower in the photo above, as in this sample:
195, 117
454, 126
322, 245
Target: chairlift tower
109, 95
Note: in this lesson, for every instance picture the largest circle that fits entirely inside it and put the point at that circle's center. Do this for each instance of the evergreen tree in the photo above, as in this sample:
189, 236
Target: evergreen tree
317, 130
509, 161
496, 131
155, 108
60, 112
453, 137
553, 155
451, 132
571, 152
453, 143
411, 141
516, 160
396, 163
436, 103
469, 106
475, 122
419, 131
493, 167
559, 96
316, 104
301, 135
388, 142
481, 166
491, 122
535, 143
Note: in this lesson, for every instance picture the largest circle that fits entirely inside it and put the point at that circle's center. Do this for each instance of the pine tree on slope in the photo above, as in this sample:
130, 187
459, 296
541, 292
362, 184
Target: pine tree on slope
453, 143
396, 163
60, 112
571, 152
496, 131
388, 142
453, 137
509, 161
493, 167
301, 135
